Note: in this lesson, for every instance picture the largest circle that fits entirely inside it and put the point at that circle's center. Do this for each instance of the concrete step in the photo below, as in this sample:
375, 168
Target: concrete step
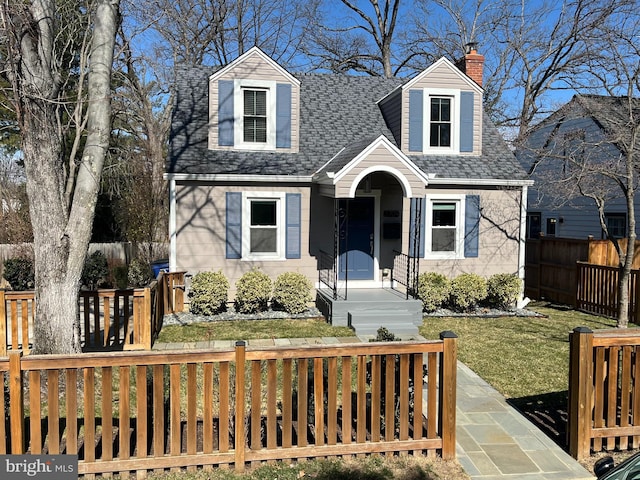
398, 322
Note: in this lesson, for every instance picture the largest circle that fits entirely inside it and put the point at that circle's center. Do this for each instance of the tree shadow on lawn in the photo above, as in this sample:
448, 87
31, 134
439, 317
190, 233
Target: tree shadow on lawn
548, 412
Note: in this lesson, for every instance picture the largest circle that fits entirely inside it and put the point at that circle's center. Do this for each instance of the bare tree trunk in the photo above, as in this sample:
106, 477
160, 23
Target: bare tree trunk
61, 225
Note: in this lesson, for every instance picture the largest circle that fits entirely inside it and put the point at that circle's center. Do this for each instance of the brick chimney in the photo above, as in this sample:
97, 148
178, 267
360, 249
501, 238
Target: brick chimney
472, 64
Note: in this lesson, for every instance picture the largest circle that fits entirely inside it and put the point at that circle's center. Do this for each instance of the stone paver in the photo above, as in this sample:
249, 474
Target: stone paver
496, 442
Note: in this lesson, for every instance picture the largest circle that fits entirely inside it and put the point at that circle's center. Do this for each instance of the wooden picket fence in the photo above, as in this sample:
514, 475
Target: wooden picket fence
597, 291
135, 412
110, 319
604, 391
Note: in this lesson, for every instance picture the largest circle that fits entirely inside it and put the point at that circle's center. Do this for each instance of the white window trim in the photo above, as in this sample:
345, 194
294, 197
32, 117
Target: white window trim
247, 197
459, 200
455, 121
238, 113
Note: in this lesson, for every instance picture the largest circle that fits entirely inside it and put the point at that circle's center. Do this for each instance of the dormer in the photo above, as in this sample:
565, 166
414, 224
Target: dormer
438, 112
254, 105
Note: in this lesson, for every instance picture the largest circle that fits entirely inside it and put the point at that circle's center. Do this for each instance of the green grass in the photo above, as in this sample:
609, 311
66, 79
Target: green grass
251, 329
519, 356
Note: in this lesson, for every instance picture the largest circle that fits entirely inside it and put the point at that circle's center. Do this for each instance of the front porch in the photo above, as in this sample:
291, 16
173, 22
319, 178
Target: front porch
366, 310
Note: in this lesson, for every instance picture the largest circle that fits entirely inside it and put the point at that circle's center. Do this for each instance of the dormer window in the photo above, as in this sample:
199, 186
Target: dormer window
440, 126
255, 115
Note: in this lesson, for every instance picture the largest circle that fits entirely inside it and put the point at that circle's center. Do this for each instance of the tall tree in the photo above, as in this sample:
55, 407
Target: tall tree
62, 188
364, 42
533, 50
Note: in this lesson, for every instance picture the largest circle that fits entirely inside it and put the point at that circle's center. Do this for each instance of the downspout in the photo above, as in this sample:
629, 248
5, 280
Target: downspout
522, 302
173, 249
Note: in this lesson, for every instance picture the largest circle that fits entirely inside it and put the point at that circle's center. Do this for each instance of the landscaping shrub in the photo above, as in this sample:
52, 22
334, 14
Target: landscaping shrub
208, 293
503, 290
253, 291
140, 273
292, 292
433, 290
95, 270
467, 291
120, 275
19, 273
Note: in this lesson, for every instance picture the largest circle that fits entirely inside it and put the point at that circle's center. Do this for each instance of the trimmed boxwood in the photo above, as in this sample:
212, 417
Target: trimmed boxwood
292, 292
503, 290
467, 291
253, 292
433, 290
208, 293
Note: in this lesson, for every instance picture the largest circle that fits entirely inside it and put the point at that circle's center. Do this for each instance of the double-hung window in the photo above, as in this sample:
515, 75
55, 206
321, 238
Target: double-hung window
444, 233
440, 124
255, 115
263, 230
263, 235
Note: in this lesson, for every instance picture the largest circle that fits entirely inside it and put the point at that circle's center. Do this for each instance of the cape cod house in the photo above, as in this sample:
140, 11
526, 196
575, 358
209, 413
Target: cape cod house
357, 182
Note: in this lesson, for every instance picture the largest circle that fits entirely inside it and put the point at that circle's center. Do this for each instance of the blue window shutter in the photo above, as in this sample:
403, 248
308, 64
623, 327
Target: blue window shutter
283, 115
234, 225
416, 120
466, 121
293, 225
225, 113
413, 210
471, 225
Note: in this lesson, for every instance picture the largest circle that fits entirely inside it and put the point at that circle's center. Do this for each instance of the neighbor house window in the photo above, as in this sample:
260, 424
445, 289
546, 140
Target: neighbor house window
255, 116
444, 227
440, 124
616, 224
551, 226
534, 225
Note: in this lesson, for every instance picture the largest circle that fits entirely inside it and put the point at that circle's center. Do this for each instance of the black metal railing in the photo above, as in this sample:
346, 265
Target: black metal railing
328, 274
405, 273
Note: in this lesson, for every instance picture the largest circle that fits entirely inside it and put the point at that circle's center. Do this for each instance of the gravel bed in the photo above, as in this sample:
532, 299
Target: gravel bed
186, 318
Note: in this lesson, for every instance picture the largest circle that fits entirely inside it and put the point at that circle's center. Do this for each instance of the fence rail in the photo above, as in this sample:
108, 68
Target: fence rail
116, 319
604, 391
124, 412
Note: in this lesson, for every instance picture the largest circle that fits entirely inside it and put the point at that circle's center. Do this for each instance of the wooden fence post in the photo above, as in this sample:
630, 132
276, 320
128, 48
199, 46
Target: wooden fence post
178, 291
447, 390
146, 320
16, 403
580, 391
3, 324
239, 439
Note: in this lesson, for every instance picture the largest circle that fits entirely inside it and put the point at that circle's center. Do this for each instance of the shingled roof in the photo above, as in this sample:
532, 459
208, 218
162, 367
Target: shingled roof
337, 114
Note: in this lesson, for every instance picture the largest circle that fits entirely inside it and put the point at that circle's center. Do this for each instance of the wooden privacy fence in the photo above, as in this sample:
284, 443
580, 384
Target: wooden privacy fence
550, 265
141, 411
109, 319
604, 391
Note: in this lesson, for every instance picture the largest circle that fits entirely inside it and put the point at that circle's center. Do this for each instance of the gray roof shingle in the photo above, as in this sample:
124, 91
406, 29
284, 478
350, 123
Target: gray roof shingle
336, 112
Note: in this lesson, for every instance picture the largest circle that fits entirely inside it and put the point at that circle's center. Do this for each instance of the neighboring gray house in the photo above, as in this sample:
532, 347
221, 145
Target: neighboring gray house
594, 129
356, 182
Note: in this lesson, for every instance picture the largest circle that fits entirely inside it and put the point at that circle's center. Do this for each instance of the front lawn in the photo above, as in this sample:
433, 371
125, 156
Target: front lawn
251, 329
519, 356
